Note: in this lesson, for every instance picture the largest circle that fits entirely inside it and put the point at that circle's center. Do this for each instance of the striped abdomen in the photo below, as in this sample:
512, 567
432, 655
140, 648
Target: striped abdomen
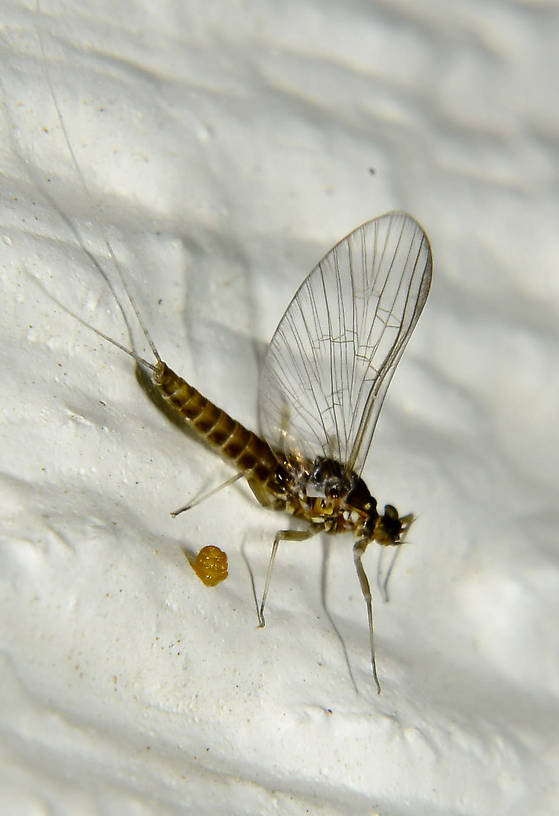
245, 450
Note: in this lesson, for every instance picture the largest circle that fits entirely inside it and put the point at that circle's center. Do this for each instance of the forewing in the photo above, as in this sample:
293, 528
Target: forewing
336, 347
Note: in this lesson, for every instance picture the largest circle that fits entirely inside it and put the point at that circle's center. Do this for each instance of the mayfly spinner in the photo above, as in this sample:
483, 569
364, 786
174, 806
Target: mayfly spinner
323, 382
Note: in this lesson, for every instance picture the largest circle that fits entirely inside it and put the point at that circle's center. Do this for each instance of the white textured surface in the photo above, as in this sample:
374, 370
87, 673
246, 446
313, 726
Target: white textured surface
226, 146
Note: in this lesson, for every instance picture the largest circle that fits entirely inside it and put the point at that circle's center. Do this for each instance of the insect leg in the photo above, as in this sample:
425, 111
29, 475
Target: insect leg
384, 584
281, 535
358, 549
207, 495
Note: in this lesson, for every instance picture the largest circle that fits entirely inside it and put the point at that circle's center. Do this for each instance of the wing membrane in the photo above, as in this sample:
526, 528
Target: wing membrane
334, 352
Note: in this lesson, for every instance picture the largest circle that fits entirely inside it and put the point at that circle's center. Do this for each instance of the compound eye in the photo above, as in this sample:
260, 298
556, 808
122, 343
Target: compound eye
391, 512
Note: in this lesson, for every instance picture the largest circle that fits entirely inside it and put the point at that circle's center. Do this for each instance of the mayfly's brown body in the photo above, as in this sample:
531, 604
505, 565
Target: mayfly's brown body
318, 492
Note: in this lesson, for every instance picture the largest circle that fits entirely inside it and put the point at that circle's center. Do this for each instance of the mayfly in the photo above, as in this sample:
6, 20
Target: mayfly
323, 382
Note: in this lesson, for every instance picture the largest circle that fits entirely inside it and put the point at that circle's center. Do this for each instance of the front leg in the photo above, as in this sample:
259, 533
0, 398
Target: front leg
358, 549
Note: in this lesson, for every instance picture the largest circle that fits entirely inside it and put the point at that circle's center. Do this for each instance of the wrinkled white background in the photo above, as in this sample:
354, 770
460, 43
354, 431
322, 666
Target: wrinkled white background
224, 147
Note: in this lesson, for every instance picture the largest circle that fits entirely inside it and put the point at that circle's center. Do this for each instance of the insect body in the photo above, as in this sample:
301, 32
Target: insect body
323, 382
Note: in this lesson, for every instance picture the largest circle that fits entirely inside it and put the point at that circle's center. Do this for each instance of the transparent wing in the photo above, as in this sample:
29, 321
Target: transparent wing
334, 352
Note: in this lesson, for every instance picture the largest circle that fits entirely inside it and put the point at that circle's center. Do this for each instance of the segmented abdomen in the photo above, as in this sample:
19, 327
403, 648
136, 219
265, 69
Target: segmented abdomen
246, 451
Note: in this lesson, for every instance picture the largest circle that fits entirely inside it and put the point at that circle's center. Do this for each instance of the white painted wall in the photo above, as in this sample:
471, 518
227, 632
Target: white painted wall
225, 146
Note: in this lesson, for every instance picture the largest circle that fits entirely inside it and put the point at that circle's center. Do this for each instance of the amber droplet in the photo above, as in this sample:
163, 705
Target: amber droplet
210, 565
